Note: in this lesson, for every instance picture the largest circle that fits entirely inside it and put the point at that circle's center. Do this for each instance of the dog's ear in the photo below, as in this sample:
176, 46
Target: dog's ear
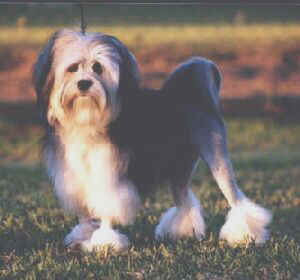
43, 77
129, 74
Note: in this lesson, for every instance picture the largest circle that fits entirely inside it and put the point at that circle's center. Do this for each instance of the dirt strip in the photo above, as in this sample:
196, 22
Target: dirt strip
257, 80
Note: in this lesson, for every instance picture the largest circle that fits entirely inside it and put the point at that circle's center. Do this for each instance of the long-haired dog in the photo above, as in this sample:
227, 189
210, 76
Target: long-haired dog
109, 141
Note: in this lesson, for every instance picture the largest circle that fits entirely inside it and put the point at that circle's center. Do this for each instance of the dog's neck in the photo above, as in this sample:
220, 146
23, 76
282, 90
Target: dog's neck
85, 138
87, 133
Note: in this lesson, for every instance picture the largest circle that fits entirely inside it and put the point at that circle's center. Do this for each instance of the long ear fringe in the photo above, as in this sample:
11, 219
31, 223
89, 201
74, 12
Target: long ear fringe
42, 66
130, 76
42, 78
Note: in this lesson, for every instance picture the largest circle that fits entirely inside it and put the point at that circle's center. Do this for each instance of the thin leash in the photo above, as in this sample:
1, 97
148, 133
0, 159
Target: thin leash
83, 23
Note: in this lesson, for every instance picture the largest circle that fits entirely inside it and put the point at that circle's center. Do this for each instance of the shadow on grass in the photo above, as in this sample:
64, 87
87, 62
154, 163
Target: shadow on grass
30, 238
282, 108
286, 222
21, 113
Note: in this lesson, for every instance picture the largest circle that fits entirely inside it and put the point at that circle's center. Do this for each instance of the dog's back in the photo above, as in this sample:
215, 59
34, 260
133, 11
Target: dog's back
152, 130
156, 127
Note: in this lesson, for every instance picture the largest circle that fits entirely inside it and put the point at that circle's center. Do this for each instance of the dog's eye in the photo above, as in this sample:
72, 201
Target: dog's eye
73, 68
97, 68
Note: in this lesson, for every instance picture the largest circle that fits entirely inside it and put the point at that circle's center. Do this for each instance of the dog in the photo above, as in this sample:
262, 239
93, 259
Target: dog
109, 142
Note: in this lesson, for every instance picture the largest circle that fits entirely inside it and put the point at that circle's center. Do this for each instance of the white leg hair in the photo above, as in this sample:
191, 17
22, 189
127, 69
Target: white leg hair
183, 220
245, 221
87, 184
105, 236
90, 236
81, 232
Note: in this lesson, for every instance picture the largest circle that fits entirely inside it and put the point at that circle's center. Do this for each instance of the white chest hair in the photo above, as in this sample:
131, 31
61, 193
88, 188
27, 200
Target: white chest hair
89, 162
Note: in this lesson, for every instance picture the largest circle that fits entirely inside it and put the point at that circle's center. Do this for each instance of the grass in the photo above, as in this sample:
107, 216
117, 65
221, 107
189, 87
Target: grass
145, 35
32, 224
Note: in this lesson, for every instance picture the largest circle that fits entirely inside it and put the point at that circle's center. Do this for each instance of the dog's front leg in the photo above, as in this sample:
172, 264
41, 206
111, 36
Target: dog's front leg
117, 205
90, 235
104, 236
81, 232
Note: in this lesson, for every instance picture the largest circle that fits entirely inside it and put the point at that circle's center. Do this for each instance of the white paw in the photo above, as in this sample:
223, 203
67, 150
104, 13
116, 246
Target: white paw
178, 222
79, 233
246, 222
105, 236
164, 226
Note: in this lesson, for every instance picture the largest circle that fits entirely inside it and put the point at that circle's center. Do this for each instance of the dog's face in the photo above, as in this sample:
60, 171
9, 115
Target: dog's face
81, 78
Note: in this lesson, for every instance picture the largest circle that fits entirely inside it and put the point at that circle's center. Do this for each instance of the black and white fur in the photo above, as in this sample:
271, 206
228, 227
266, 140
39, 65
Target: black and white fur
108, 141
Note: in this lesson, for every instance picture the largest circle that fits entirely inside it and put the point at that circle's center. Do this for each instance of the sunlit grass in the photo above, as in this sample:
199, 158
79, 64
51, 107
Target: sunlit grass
33, 225
149, 35
246, 137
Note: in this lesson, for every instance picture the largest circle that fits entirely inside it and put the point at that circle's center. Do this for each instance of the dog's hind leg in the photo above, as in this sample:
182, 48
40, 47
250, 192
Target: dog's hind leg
185, 219
246, 220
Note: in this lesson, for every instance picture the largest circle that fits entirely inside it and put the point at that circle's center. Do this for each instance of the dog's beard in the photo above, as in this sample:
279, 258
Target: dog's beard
85, 110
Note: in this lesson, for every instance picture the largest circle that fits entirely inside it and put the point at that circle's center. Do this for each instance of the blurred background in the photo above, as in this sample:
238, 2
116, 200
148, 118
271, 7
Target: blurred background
257, 48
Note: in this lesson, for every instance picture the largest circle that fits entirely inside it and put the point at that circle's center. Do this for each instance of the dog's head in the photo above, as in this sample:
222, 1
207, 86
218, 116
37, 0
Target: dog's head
82, 78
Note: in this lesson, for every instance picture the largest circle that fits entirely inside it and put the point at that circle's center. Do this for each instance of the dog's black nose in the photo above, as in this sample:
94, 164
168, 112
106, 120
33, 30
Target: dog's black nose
84, 85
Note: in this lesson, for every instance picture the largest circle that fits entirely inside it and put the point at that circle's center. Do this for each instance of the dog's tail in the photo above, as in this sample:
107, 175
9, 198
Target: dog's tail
195, 82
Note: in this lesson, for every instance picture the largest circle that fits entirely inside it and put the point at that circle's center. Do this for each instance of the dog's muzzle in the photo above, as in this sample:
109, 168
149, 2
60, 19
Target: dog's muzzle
84, 93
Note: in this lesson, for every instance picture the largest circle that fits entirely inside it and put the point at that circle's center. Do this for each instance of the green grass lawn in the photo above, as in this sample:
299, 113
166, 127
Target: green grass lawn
32, 225
149, 36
